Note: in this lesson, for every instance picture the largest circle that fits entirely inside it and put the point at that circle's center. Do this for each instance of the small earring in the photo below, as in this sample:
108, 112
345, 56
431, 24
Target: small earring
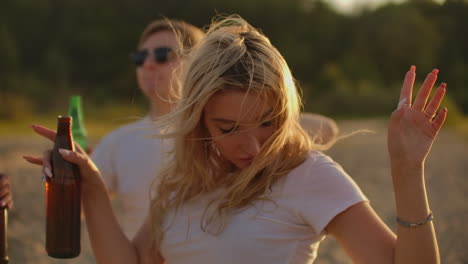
215, 149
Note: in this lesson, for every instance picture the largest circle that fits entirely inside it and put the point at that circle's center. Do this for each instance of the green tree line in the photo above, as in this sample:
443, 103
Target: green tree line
345, 64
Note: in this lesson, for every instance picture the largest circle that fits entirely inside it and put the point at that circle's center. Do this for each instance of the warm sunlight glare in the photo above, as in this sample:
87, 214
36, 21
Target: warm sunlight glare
352, 6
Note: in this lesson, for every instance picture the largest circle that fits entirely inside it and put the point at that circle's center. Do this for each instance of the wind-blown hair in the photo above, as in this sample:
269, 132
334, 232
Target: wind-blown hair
187, 34
233, 55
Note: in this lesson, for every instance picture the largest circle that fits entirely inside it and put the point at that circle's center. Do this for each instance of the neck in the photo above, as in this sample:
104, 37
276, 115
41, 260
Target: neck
159, 109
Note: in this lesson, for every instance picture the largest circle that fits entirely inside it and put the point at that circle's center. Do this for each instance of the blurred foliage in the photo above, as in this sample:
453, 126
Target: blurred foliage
347, 65
14, 107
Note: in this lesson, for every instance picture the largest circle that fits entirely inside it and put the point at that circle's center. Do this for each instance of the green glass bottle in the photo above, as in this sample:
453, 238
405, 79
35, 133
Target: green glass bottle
80, 135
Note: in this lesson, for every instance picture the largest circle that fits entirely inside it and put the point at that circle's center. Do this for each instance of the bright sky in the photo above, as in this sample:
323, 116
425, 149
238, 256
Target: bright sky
348, 6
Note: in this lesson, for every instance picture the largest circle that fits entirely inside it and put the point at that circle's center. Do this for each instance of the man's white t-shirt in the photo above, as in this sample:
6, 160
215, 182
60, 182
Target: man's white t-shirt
287, 231
129, 159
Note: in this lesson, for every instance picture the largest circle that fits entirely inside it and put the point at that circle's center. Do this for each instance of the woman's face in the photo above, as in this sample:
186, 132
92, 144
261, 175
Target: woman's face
155, 78
238, 125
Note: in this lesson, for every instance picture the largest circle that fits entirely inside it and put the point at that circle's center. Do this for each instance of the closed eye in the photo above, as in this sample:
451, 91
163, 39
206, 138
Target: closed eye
229, 130
267, 123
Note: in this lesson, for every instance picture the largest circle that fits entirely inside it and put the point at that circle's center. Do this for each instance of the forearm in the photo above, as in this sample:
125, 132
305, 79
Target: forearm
109, 243
414, 244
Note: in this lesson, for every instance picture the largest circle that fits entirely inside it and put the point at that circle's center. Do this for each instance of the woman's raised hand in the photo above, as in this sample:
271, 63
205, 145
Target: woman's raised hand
78, 157
413, 127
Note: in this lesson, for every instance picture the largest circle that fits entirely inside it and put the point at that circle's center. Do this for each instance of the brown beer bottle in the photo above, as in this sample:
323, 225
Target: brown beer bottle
63, 198
3, 235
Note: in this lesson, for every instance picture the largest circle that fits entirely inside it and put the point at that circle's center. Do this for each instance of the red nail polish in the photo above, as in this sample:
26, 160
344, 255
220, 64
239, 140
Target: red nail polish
443, 85
413, 68
435, 71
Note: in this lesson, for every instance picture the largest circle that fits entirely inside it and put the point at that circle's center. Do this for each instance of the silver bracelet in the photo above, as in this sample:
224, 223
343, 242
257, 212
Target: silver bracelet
429, 218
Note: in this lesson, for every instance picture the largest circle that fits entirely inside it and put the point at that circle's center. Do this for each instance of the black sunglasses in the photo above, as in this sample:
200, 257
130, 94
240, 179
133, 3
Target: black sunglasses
161, 55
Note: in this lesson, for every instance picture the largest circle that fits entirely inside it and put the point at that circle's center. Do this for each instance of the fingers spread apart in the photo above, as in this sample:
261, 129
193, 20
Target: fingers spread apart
434, 104
425, 91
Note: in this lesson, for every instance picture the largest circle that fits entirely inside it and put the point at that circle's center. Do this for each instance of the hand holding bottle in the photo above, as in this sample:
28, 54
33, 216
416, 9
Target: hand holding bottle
78, 156
102, 225
63, 197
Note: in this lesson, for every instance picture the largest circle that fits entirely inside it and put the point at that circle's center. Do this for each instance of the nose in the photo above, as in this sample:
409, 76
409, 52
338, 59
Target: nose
149, 62
251, 144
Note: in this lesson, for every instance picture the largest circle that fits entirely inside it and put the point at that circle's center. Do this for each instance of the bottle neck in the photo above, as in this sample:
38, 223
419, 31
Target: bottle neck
75, 111
64, 134
64, 129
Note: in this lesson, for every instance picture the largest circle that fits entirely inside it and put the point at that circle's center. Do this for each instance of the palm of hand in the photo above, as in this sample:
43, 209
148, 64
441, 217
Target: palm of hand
413, 129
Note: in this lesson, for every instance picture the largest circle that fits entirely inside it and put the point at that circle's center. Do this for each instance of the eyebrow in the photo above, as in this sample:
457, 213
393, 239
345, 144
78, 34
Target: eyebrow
228, 121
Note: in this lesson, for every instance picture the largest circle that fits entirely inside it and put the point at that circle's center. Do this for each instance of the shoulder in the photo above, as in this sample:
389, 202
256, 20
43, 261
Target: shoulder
316, 161
323, 129
320, 172
127, 129
112, 139
319, 189
130, 128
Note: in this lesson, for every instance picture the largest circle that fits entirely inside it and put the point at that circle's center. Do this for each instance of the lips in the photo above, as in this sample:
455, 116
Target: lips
247, 160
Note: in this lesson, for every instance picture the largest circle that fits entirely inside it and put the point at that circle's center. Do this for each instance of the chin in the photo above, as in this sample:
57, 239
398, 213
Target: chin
242, 164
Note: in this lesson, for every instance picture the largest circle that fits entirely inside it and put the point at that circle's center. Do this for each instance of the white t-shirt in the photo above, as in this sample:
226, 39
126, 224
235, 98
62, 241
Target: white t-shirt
129, 159
287, 232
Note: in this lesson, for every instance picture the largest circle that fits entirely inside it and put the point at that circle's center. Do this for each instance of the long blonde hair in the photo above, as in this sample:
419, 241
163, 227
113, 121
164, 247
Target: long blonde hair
233, 55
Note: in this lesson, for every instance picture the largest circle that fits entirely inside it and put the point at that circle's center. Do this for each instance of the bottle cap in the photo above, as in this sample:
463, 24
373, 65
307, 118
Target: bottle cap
64, 119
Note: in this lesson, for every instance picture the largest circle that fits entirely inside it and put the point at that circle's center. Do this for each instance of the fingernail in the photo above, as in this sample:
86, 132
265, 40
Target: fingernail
443, 85
65, 152
48, 172
412, 68
435, 71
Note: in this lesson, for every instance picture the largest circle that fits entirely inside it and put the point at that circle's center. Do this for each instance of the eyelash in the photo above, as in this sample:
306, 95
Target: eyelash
230, 130
227, 131
267, 124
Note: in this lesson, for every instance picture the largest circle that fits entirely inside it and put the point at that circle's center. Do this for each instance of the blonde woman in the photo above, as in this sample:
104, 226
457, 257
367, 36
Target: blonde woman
126, 158
245, 184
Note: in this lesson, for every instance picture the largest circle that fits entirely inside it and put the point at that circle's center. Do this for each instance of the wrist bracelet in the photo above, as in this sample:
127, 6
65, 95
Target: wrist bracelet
409, 224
